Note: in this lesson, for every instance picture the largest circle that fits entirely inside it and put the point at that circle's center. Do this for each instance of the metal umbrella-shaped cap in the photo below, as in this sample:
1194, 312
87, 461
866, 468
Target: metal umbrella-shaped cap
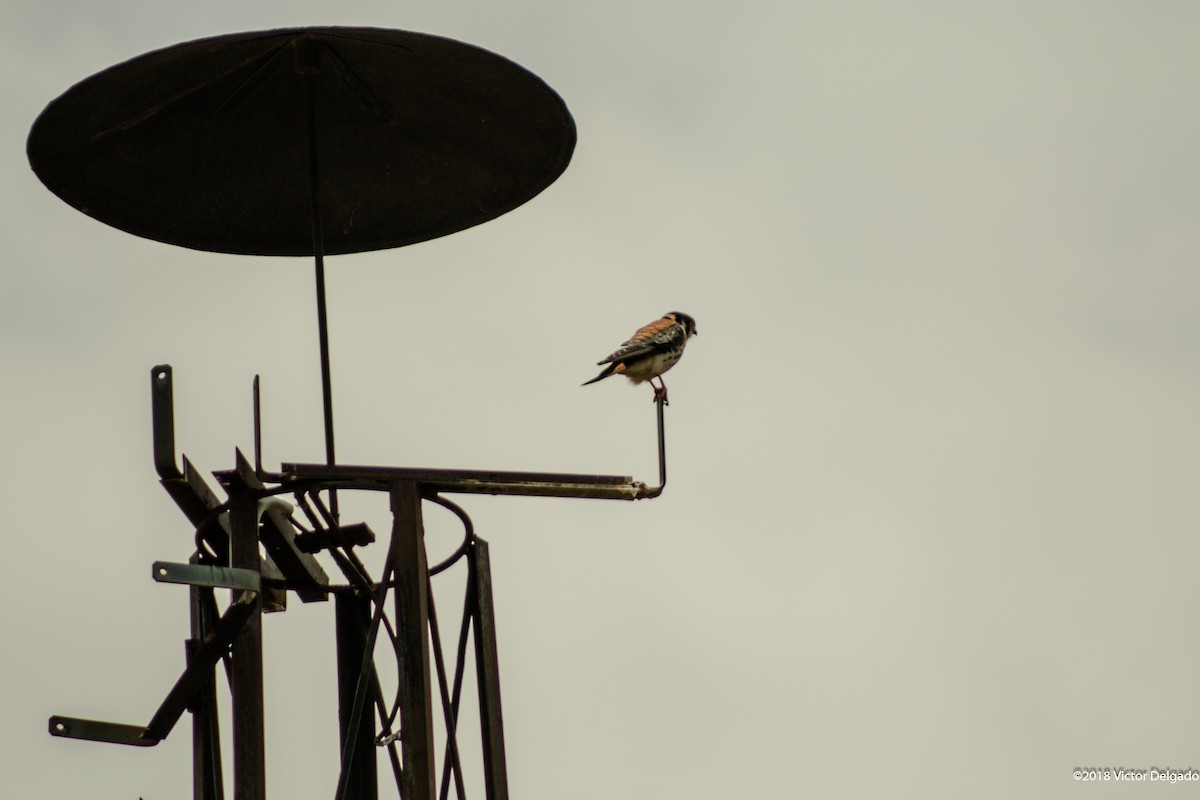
249, 142
306, 141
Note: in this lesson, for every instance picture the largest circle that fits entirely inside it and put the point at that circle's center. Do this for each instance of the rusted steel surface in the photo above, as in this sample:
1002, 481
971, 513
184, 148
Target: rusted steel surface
181, 696
448, 481
487, 668
246, 673
351, 616
228, 536
412, 630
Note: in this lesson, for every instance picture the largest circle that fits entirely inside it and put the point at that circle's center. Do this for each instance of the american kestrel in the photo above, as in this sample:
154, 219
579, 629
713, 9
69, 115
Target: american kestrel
651, 351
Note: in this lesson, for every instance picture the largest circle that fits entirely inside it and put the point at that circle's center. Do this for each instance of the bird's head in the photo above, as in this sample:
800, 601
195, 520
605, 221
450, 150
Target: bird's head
689, 324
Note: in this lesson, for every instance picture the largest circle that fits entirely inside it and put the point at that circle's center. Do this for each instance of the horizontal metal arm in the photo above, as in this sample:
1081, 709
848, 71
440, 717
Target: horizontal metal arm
207, 575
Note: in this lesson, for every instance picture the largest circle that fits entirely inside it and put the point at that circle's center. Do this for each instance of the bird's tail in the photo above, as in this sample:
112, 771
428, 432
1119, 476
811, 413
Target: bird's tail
607, 371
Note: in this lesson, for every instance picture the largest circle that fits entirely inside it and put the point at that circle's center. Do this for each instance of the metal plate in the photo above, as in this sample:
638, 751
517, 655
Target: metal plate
207, 144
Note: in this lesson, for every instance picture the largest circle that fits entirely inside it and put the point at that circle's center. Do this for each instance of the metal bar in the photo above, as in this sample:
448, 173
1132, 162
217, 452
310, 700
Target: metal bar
97, 731
202, 507
357, 535
207, 655
182, 694
258, 464
368, 633
207, 575
468, 482
365, 675
487, 668
460, 661
303, 572
538, 484
162, 415
649, 493
307, 57
662, 445
449, 713
460, 655
193, 496
351, 613
322, 510
302, 499
632, 491
207, 780
246, 682
390, 475
412, 624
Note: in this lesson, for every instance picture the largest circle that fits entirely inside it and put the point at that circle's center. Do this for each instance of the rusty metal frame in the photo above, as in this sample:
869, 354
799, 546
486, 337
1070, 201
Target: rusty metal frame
252, 547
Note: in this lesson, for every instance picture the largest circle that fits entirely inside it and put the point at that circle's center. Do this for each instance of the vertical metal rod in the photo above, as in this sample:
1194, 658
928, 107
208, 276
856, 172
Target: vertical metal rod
365, 674
326, 382
662, 446
412, 628
246, 674
258, 467
351, 614
487, 667
207, 781
308, 65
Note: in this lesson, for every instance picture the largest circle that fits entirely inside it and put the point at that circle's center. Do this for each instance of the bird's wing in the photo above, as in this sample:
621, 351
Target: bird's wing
660, 335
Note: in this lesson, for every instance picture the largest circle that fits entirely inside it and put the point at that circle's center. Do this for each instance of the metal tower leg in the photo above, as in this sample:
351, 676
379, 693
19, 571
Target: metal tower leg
352, 616
207, 779
246, 675
412, 626
487, 667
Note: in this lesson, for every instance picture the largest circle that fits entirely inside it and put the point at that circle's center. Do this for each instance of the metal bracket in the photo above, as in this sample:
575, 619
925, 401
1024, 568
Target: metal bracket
448, 481
356, 535
207, 575
203, 508
178, 699
303, 572
163, 415
95, 731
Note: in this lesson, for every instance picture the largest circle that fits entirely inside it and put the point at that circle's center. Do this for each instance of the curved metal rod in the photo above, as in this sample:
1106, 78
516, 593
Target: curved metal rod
468, 538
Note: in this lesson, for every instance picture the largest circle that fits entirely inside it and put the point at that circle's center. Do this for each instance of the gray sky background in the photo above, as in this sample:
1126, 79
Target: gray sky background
931, 523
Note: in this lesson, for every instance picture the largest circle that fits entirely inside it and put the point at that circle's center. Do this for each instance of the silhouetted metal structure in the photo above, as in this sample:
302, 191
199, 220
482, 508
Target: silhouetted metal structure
314, 142
228, 535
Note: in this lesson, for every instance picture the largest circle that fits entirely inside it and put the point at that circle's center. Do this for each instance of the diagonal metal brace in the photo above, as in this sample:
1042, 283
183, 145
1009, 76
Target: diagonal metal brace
214, 647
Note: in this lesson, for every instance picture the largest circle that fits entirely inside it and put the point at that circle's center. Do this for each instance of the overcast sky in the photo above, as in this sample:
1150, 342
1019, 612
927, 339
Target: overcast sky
931, 527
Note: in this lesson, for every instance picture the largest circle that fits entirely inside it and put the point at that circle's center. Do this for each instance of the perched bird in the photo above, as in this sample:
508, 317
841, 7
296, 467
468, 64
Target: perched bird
651, 351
